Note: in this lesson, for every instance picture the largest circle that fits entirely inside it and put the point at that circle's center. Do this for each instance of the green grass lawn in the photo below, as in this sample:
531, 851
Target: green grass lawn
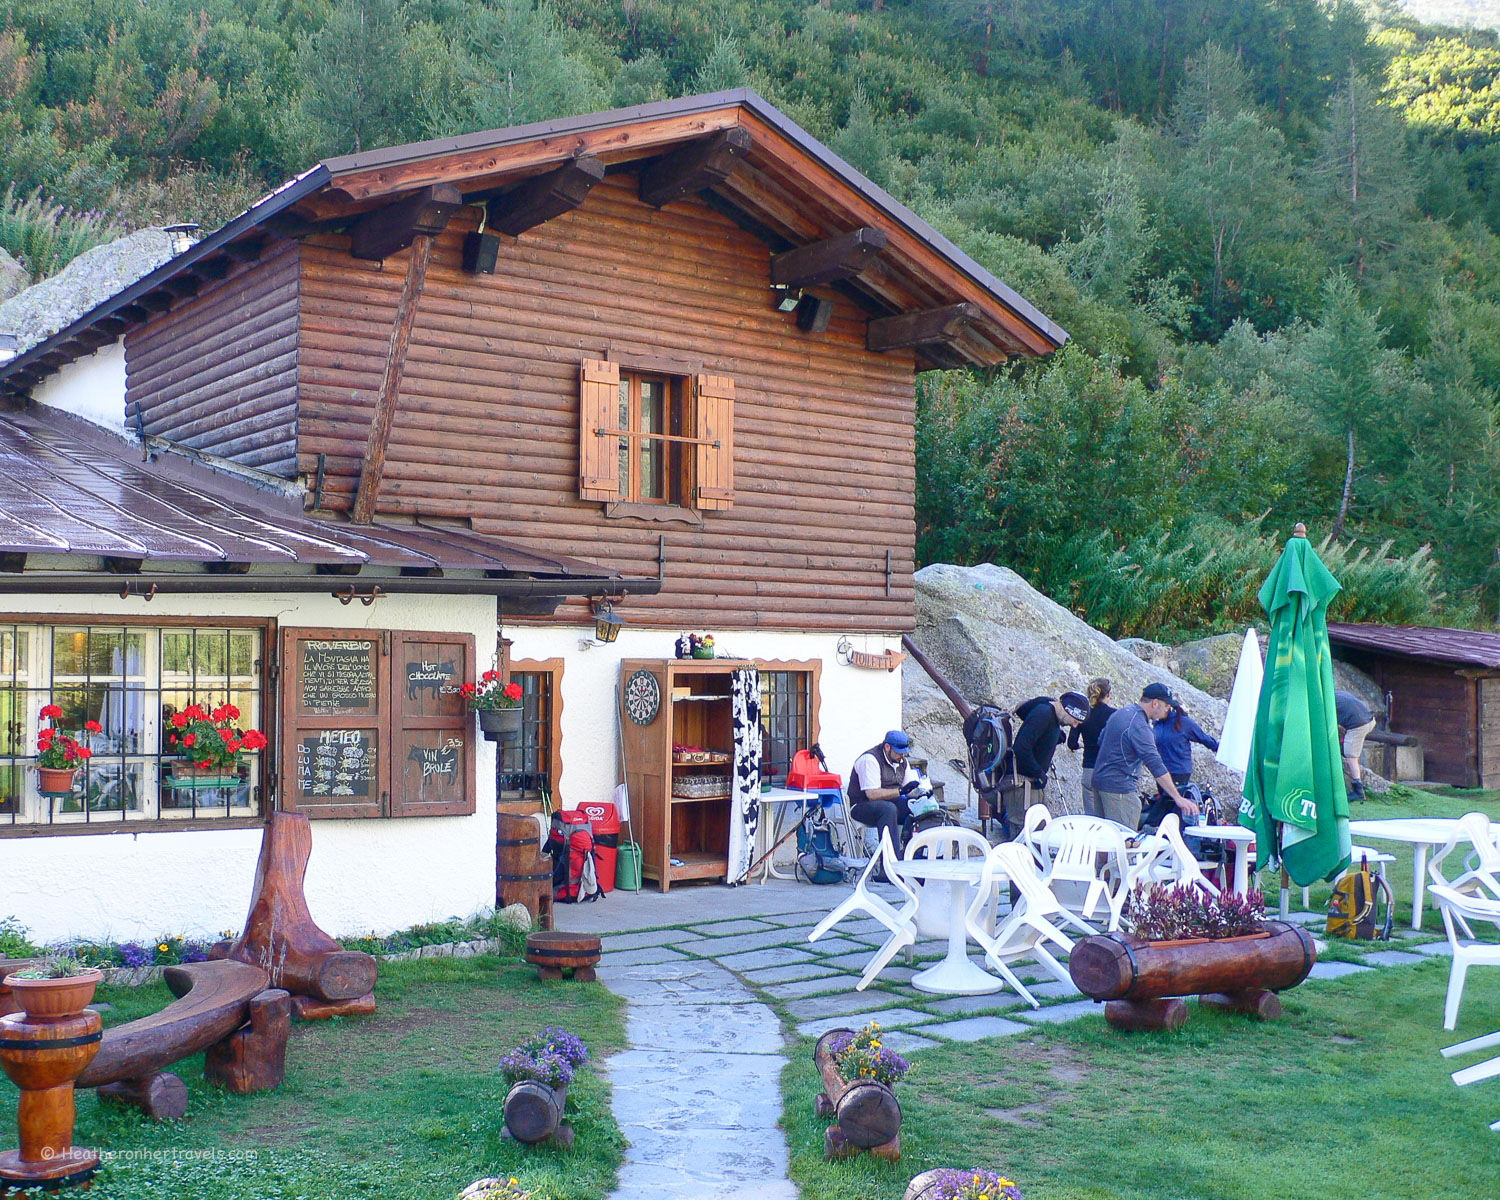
404, 1104
1345, 1097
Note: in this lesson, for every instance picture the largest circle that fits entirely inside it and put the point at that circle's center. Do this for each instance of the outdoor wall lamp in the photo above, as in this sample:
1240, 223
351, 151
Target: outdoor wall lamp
607, 622
786, 299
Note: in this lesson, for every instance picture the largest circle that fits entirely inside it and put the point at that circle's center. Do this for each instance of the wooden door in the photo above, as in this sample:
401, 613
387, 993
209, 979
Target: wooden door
432, 730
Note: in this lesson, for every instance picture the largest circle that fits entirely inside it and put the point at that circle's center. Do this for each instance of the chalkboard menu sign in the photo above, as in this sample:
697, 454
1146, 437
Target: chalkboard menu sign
336, 763
338, 676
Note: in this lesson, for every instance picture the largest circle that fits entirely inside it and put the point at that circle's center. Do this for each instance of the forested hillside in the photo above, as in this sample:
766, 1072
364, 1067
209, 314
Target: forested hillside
1269, 225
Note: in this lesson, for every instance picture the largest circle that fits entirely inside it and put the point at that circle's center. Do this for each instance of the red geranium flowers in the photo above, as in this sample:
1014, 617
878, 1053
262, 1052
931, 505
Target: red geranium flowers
59, 751
209, 738
490, 693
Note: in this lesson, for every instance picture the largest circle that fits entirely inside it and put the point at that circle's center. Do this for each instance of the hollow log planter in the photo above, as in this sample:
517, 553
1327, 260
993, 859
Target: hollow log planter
867, 1115
552, 951
43, 1049
281, 937
534, 1113
1143, 981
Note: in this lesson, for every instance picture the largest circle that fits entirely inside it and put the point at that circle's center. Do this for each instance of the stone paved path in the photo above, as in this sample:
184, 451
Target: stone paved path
698, 1092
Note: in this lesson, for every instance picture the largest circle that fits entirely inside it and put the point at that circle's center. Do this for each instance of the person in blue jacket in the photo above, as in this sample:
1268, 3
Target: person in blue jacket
1175, 734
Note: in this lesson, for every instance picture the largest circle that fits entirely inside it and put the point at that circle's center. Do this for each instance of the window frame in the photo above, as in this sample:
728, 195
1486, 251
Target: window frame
813, 670
268, 684
675, 466
552, 667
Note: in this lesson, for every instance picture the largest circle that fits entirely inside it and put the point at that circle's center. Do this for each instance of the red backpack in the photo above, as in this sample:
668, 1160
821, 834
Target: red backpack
575, 861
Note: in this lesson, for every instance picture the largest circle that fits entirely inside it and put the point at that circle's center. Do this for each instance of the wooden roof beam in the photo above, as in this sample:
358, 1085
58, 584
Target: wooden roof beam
931, 326
828, 261
184, 285
155, 301
543, 197
246, 250
693, 168
389, 230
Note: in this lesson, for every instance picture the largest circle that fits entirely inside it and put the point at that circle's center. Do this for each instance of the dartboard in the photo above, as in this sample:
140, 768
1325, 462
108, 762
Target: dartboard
642, 697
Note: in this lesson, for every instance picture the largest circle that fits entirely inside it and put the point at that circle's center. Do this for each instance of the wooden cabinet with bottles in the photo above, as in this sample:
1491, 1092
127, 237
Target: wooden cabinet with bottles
680, 809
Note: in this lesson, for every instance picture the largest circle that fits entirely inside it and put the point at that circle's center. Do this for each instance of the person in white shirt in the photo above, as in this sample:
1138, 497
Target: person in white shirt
879, 784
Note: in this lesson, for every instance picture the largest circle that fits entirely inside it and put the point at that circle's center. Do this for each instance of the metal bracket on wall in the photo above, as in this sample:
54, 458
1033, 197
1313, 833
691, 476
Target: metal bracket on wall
887, 572
365, 598
661, 557
318, 481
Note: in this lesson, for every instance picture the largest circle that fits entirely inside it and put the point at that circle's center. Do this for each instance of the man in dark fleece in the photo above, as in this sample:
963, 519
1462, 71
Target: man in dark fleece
1043, 721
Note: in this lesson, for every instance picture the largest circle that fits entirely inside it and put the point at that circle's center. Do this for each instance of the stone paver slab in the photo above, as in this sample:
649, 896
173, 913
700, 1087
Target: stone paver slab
696, 1090
775, 956
675, 982
973, 1028
830, 946
634, 941
725, 928
788, 973
888, 1017
828, 982
1052, 989
837, 1006
1335, 970
715, 946
1434, 949
904, 1043
854, 962
754, 1028
1393, 958
641, 956
964, 1005
1053, 1013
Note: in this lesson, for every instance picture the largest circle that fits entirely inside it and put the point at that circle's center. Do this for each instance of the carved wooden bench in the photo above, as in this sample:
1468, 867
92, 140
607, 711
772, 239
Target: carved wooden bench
222, 1007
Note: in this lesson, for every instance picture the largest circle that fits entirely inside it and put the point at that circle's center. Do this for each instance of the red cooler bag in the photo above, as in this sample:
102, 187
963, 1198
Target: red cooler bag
606, 822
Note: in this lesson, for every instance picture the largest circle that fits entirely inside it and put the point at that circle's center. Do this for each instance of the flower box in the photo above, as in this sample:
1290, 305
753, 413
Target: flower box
867, 1115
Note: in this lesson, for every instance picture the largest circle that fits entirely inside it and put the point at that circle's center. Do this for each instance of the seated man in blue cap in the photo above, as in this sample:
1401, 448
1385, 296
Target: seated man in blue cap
879, 784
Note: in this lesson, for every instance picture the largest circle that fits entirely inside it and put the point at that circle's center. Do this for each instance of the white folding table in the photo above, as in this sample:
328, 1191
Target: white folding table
1236, 835
1422, 834
773, 802
957, 974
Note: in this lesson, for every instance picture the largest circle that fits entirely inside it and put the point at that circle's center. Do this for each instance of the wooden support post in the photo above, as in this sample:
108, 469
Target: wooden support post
543, 197
160, 1095
836, 258
373, 466
919, 328
389, 230
692, 168
307, 1008
253, 1058
1147, 1014
1252, 1002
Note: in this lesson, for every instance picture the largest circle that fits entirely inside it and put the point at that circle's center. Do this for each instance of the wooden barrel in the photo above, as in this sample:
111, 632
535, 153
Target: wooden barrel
1117, 966
523, 874
867, 1112
533, 1110
551, 950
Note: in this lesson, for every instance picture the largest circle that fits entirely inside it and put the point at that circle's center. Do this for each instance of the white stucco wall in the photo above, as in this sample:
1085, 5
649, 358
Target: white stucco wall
93, 387
856, 708
365, 875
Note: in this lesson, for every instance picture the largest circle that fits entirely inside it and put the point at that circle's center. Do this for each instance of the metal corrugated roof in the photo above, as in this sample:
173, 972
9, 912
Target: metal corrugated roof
1464, 647
68, 487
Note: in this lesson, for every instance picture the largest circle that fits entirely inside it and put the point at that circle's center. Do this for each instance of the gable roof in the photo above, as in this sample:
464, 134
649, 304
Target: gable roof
1462, 647
789, 188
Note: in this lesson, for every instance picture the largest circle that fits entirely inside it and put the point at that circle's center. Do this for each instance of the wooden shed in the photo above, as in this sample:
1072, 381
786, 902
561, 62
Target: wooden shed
1444, 689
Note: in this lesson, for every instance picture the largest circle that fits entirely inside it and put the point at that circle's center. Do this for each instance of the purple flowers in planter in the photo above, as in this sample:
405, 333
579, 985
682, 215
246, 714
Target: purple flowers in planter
550, 1057
975, 1184
862, 1056
133, 954
1162, 913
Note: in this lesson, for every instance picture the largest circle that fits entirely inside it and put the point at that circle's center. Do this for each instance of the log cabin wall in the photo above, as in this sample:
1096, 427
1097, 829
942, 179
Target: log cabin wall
487, 423
1435, 703
219, 372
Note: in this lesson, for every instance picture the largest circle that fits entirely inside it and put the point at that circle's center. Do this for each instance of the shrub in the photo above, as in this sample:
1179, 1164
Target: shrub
14, 940
46, 237
1161, 913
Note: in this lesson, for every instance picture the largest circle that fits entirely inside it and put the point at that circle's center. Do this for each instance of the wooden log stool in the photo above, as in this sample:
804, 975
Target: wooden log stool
867, 1114
552, 951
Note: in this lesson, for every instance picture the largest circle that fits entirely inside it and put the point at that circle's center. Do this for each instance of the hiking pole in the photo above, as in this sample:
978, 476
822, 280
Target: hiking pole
785, 837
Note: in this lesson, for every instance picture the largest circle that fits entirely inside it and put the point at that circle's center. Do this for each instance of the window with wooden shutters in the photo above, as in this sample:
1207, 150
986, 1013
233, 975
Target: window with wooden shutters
373, 724
432, 767
714, 410
598, 454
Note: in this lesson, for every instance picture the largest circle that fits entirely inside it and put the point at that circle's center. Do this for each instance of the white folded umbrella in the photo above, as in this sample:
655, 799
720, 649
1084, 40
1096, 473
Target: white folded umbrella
1244, 699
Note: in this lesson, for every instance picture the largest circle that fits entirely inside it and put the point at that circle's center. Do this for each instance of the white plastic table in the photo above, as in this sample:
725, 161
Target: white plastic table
1422, 834
768, 832
1240, 837
956, 975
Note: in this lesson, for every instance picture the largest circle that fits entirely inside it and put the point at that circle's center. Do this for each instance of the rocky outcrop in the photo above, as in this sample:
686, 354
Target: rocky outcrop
1210, 663
1155, 653
94, 276
998, 639
14, 278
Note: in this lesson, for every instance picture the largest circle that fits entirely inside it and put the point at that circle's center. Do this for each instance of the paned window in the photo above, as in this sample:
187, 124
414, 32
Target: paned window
525, 765
785, 720
650, 411
131, 680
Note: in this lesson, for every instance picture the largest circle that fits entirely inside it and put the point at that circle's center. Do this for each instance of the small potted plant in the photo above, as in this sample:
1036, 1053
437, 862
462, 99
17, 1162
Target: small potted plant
858, 1073
494, 1188
538, 1072
977, 1183
55, 987
704, 647
59, 754
211, 744
498, 705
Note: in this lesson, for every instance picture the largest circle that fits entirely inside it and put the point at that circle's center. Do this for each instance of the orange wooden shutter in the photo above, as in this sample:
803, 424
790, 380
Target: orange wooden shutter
599, 408
335, 722
432, 730
715, 424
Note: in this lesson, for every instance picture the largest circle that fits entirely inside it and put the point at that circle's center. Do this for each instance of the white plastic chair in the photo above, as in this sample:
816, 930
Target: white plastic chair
1487, 1069
1481, 875
1172, 862
934, 898
1455, 906
1076, 876
898, 920
1033, 826
1030, 923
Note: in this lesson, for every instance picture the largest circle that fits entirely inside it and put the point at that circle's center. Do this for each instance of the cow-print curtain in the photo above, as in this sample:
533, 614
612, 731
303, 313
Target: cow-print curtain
744, 813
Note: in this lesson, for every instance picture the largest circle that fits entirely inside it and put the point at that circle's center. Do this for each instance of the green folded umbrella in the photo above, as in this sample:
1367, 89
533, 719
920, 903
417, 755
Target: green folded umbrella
1294, 789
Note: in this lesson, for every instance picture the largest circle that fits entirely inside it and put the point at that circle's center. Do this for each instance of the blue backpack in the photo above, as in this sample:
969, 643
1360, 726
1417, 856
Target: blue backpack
818, 860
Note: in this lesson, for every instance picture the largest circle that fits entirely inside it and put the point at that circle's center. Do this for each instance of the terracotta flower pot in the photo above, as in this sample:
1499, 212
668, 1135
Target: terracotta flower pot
55, 780
51, 999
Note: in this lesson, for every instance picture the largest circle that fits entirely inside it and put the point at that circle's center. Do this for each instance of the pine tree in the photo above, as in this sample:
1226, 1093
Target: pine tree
359, 88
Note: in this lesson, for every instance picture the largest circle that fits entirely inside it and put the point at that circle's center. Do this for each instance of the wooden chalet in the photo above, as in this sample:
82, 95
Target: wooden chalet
1444, 689
671, 347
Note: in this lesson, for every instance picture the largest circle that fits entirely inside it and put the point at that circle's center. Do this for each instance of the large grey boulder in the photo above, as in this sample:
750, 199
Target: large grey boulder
997, 639
94, 276
14, 278
1212, 661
